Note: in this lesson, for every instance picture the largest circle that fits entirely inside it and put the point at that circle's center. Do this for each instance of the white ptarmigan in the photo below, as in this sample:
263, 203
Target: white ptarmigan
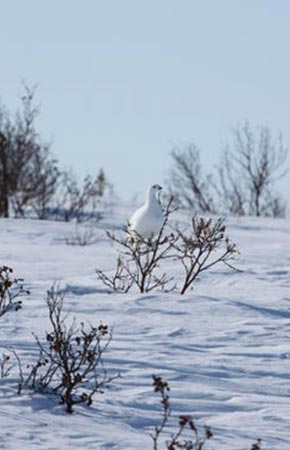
147, 220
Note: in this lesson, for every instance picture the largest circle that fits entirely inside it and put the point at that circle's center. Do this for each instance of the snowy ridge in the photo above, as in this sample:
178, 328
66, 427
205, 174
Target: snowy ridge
224, 347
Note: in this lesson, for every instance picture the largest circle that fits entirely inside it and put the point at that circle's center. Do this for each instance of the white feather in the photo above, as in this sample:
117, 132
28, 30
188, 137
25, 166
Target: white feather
147, 220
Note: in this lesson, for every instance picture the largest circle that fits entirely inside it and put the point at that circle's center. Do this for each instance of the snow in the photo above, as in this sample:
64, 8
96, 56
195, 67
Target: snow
223, 347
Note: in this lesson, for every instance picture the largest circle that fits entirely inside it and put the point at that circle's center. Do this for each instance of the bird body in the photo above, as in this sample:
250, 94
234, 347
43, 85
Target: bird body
147, 220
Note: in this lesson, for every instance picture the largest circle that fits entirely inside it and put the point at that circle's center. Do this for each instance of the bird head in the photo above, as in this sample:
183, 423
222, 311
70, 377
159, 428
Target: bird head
155, 188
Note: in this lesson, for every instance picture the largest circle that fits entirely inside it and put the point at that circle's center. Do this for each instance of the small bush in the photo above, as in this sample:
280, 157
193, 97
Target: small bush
257, 445
139, 261
70, 362
10, 291
81, 200
177, 441
83, 235
8, 361
185, 425
5, 365
204, 246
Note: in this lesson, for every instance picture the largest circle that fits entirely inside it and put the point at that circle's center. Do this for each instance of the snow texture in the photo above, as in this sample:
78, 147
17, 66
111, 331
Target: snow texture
223, 347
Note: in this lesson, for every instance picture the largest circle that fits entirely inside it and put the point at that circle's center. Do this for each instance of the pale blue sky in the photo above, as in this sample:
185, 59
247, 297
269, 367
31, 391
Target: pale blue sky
121, 82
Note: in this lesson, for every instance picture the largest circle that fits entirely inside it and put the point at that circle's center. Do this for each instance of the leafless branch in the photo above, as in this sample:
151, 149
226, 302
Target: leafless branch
187, 182
10, 291
177, 441
70, 362
249, 170
139, 259
204, 246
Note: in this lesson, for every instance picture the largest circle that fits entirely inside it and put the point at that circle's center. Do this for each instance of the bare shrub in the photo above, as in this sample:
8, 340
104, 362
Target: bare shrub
31, 182
70, 362
204, 246
83, 235
185, 423
28, 173
243, 183
80, 200
8, 361
5, 365
162, 388
187, 183
228, 186
139, 260
257, 445
120, 280
10, 291
249, 171
45, 183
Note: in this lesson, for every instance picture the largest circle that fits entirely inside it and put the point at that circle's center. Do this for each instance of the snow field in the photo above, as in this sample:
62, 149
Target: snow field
223, 347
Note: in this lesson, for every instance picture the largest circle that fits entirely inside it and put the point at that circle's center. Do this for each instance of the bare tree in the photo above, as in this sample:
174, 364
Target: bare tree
27, 169
4, 173
229, 187
80, 200
45, 183
249, 171
186, 181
